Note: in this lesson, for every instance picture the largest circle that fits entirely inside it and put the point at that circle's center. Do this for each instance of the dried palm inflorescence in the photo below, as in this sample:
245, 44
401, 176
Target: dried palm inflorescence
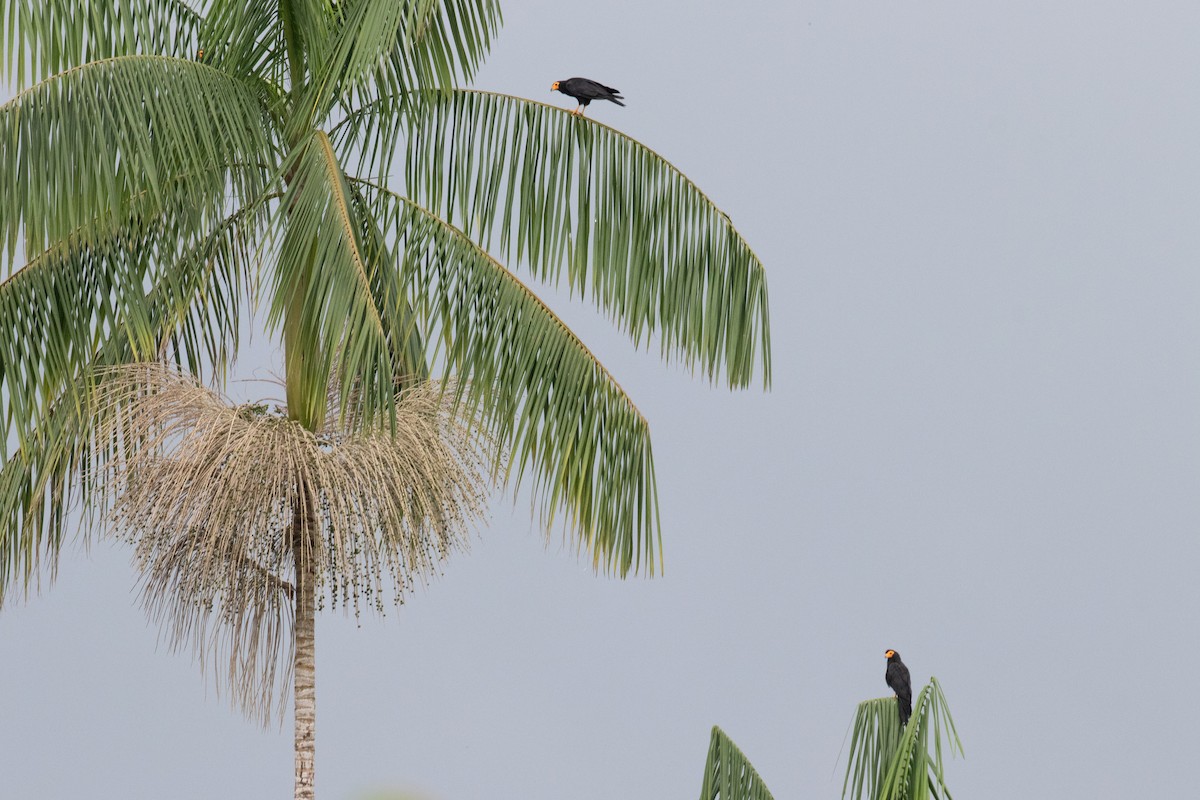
207, 493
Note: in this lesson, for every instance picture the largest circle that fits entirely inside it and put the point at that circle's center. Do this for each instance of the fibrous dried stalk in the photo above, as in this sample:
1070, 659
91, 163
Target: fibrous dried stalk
205, 491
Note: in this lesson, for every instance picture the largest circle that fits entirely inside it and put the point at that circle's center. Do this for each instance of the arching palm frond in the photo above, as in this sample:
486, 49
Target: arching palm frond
890, 762
73, 313
244, 38
563, 194
86, 142
728, 774
62, 306
51, 36
545, 397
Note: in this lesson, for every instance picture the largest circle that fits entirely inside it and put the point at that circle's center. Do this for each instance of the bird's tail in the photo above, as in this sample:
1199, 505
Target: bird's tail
615, 100
905, 708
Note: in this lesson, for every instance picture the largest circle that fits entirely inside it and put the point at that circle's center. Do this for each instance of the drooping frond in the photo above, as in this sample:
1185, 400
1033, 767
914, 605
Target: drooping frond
890, 762
564, 193
46, 37
546, 398
72, 299
728, 774
34, 498
307, 27
57, 308
80, 307
206, 491
391, 296
84, 143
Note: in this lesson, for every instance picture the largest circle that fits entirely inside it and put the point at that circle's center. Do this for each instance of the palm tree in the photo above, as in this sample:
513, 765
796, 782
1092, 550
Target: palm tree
163, 168
224, 504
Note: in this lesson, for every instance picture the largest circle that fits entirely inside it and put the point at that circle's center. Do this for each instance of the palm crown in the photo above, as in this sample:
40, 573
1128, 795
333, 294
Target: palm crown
163, 165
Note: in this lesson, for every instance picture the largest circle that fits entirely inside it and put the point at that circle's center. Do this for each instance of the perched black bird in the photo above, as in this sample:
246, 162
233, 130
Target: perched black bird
897, 678
586, 91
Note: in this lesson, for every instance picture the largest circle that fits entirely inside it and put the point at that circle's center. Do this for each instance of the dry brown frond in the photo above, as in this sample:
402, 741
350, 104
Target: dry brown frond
205, 491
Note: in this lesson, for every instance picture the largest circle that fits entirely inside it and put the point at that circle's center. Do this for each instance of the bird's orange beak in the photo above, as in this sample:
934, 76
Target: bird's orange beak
554, 86
889, 653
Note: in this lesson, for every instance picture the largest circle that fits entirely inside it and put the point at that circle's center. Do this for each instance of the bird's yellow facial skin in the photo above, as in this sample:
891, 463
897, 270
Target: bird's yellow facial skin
889, 653
554, 86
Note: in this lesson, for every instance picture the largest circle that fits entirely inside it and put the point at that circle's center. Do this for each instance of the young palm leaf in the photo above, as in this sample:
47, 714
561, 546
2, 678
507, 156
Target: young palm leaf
891, 762
728, 774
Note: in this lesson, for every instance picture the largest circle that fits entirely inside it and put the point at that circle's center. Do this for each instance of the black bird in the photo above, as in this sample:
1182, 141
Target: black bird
586, 91
897, 678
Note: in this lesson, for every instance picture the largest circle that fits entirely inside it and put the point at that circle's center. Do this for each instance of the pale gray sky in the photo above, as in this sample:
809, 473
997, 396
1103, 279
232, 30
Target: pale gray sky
982, 449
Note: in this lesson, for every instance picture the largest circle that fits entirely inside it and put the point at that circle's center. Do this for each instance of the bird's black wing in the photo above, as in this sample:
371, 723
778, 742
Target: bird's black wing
898, 679
581, 88
593, 88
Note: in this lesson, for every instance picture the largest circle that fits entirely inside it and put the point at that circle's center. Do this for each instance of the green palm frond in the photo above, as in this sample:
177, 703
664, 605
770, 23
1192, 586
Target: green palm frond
35, 490
72, 314
244, 39
728, 774
441, 43
389, 48
547, 400
44, 342
890, 762
396, 310
88, 140
560, 192
51, 36
307, 27
87, 290
196, 305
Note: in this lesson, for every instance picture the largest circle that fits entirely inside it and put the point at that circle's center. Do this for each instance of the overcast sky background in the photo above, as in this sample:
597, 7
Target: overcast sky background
982, 448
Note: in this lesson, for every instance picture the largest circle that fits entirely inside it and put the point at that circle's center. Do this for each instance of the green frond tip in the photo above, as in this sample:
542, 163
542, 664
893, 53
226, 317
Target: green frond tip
728, 774
891, 762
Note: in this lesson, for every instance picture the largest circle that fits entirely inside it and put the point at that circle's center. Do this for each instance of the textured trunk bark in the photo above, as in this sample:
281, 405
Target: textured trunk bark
305, 690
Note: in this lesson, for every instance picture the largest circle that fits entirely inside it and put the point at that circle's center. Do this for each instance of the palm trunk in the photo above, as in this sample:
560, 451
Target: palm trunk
305, 690
307, 408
